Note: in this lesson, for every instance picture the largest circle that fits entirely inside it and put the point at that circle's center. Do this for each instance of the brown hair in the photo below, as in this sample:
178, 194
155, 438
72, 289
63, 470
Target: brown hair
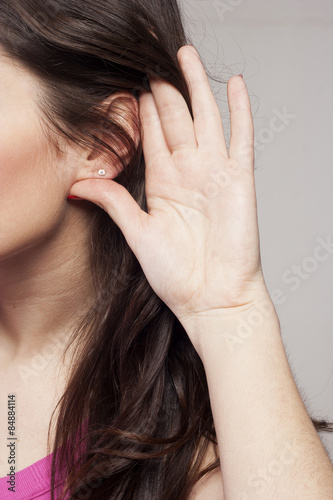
136, 375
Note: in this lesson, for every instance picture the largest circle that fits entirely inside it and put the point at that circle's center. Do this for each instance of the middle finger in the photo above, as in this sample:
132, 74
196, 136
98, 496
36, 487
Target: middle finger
176, 120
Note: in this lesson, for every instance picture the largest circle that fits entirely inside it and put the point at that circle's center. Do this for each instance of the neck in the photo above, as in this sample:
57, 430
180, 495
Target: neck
44, 291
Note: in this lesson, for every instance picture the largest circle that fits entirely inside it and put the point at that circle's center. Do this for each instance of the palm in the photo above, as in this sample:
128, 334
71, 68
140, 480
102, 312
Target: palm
198, 252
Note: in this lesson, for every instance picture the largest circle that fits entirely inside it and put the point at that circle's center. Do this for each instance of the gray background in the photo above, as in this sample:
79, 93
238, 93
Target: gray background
284, 51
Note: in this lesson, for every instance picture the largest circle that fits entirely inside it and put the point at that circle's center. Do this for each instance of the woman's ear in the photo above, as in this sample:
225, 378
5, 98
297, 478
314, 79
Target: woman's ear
122, 109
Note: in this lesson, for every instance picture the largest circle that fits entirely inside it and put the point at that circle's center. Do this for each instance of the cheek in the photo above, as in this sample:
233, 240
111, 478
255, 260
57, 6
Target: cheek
30, 194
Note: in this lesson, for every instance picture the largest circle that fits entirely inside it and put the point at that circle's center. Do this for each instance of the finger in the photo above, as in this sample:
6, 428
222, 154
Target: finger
118, 203
208, 124
152, 135
175, 117
241, 147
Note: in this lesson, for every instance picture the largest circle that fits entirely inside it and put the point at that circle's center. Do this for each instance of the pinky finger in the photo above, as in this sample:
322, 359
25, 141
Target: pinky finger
241, 147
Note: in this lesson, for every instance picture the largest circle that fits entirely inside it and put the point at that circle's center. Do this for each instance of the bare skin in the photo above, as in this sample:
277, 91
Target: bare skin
202, 259
44, 276
43, 262
201, 254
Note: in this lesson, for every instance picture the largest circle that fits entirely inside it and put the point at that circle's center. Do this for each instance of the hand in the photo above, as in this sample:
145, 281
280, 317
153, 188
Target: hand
200, 253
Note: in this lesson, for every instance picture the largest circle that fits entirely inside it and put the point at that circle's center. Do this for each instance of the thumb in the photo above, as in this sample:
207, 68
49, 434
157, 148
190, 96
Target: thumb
117, 202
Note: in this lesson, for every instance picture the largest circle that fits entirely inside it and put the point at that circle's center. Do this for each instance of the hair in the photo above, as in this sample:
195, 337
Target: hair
135, 374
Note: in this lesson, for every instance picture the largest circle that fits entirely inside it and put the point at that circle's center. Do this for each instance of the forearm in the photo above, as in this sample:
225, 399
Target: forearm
268, 445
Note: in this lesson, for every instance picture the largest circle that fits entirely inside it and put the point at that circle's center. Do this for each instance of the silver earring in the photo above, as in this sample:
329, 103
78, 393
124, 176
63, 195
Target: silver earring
101, 172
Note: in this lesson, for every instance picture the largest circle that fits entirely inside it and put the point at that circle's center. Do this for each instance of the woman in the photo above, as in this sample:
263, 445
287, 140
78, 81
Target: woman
138, 338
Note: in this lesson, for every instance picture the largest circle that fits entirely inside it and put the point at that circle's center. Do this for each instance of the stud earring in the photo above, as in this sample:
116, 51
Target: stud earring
101, 172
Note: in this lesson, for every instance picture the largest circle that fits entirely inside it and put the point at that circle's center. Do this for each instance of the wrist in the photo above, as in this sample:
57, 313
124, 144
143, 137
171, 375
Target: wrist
227, 330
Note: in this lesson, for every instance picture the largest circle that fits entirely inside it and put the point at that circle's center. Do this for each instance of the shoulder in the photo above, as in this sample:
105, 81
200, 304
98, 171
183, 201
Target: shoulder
210, 485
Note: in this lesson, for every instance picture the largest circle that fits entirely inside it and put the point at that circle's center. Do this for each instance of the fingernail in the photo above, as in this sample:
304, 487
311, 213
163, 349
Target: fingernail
241, 76
71, 197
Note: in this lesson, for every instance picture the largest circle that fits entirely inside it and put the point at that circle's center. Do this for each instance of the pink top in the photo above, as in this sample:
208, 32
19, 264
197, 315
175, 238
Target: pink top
32, 482
35, 480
